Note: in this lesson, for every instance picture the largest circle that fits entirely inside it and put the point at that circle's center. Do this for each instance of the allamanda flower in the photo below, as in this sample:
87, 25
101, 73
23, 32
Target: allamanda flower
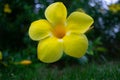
114, 7
58, 33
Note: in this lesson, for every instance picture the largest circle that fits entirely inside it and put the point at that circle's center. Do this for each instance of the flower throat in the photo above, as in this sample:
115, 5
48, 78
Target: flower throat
59, 31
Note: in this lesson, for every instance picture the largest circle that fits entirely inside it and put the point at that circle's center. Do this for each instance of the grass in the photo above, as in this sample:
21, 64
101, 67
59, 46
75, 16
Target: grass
41, 71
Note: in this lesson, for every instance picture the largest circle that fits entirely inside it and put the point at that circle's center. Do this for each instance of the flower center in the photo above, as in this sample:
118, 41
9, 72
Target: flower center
59, 31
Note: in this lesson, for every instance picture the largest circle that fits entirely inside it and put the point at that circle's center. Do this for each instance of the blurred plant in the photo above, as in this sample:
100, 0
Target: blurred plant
23, 57
1, 60
97, 51
96, 46
15, 16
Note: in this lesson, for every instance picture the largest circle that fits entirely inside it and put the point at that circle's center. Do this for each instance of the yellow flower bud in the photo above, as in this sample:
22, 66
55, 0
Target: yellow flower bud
25, 62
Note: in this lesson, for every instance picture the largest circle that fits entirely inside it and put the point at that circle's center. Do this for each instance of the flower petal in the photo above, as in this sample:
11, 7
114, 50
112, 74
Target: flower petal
50, 50
75, 45
56, 13
39, 29
79, 22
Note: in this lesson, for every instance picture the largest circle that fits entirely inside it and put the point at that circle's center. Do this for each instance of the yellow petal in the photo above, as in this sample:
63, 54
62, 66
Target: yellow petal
50, 50
56, 13
39, 29
75, 45
79, 22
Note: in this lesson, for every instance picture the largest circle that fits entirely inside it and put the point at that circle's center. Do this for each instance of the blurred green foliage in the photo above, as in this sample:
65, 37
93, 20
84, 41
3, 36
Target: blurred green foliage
109, 71
104, 38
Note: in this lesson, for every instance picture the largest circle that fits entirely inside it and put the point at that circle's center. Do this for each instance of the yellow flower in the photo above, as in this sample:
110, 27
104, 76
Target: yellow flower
7, 8
25, 62
58, 34
114, 8
0, 55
